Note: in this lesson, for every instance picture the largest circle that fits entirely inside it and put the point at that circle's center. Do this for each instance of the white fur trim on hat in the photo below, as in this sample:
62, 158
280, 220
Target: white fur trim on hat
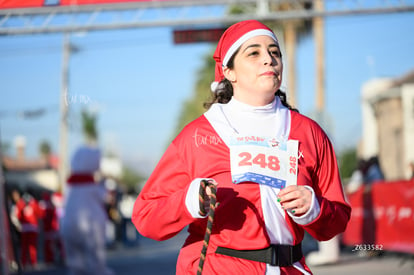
213, 86
243, 39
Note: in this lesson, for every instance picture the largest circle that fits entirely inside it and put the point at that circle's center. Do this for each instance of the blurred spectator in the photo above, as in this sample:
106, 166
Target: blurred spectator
52, 242
84, 220
367, 173
373, 171
14, 198
114, 217
27, 212
357, 177
15, 227
372, 175
412, 170
128, 231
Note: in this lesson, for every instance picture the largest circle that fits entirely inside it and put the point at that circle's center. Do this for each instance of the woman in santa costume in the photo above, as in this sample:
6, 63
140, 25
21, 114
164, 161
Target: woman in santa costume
28, 214
84, 220
274, 170
52, 244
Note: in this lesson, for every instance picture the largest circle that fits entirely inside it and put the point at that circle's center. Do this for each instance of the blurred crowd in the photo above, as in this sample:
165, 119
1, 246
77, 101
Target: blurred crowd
35, 224
367, 172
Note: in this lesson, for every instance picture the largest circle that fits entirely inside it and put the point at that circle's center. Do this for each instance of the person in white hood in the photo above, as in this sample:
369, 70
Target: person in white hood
84, 220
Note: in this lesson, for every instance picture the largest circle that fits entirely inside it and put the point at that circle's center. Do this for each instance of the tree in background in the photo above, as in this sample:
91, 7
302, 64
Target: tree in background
45, 149
193, 107
347, 162
89, 126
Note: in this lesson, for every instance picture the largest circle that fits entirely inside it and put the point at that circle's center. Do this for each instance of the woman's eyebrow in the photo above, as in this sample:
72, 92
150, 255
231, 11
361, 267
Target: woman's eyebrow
252, 46
259, 45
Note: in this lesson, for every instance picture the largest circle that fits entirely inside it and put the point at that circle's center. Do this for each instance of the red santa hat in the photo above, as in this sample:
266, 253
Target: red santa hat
230, 42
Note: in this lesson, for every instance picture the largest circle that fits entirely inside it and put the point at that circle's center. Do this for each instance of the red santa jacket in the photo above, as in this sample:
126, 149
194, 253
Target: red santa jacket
198, 152
48, 214
27, 212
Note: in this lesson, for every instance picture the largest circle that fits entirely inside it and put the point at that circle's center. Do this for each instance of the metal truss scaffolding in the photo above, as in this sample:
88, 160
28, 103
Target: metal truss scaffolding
52, 19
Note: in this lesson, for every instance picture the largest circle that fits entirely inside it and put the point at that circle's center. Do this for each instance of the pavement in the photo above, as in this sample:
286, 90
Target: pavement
159, 258
385, 264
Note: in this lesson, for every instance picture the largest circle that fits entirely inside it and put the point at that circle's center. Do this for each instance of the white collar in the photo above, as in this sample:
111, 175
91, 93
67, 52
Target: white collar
236, 105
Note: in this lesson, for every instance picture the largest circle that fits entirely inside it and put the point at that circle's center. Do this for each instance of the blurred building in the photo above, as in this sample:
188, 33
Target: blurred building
34, 173
388, 124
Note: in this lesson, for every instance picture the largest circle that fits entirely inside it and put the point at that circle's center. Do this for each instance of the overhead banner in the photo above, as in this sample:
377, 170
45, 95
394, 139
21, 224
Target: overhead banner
92, 2
18, 4
382, 217
197, 35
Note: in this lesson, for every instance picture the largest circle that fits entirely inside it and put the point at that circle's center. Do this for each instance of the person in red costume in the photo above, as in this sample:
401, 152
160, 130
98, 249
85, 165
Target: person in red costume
274, 170
52, 242
28, 214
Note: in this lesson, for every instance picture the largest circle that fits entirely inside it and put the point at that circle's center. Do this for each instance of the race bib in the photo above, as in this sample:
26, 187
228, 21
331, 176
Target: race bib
264, 161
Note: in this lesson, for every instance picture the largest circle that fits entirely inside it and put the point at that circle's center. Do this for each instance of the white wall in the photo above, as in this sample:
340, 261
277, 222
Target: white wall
407, 97
370, 91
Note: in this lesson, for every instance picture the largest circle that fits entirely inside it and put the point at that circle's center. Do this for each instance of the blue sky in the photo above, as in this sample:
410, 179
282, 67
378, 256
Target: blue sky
137, 80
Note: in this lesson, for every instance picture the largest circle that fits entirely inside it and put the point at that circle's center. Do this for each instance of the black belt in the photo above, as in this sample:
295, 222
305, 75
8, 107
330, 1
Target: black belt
275, 255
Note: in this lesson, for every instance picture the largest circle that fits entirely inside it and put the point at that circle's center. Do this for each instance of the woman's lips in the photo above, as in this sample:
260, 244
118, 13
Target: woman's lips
269, 73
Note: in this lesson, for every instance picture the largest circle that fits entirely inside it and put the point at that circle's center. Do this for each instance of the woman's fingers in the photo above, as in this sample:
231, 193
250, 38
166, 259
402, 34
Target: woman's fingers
208, 193
209, 186
296, 199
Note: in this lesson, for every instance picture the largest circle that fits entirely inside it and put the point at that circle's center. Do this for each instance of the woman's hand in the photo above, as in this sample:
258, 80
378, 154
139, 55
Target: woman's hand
296, 199
207, 193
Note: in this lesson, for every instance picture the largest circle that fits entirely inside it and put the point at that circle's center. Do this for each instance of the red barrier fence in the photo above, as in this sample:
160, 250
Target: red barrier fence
382, 217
